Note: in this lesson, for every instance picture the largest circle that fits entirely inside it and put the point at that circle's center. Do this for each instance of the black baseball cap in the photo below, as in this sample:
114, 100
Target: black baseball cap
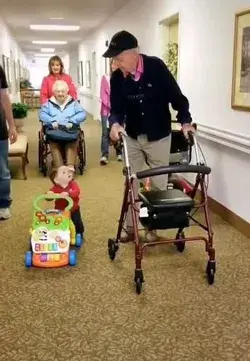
120, 42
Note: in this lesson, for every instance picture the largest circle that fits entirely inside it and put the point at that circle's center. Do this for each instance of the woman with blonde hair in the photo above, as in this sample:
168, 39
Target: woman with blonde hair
56, 72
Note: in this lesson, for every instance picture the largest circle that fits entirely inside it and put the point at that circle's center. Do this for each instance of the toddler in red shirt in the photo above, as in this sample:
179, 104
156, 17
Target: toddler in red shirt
64, 184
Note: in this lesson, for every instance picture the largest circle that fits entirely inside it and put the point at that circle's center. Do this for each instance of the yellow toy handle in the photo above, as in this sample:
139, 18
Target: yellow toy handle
52, 197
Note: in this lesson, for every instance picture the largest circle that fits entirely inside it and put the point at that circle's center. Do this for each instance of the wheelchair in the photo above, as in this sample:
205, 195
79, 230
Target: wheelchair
173, 208
44, 151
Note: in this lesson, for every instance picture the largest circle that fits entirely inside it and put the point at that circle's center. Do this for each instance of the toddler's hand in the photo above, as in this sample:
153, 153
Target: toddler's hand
69, 125
64, 194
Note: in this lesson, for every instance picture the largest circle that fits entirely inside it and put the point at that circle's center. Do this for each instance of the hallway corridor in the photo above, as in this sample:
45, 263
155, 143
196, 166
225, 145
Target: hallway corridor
91, 312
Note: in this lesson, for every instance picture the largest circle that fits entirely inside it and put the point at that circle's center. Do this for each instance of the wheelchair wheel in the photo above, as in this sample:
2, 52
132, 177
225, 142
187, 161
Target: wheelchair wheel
42, 154
44, 165
40, 159
82, 154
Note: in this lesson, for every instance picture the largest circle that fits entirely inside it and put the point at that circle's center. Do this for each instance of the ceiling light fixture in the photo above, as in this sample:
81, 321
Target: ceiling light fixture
57, 18
43, 55
47, 50
49, 42
55, 27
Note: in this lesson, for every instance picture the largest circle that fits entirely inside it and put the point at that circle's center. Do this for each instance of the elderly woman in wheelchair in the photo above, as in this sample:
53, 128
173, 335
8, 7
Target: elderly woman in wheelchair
61, 117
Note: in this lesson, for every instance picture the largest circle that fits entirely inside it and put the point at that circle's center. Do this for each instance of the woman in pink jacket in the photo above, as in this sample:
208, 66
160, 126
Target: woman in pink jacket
105, 109
56, 72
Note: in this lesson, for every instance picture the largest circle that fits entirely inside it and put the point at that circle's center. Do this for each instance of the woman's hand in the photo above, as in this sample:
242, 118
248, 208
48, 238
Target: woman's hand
55, 125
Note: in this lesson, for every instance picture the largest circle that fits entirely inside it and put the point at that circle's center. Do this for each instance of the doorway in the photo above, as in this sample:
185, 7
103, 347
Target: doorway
169, 37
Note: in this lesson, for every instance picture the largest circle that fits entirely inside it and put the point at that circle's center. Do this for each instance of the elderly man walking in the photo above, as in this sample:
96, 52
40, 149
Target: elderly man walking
141, 90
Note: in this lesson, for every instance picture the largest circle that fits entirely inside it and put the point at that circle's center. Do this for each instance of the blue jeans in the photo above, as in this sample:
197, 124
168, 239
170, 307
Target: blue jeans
5, 199
105, 137
105, 141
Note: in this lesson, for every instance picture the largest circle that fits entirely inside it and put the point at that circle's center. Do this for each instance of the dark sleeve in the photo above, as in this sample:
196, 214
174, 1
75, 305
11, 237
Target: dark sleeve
3, 80
117, 106
178, 101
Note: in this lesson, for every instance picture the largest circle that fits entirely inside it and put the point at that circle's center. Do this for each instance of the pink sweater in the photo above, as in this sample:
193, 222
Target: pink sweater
47, 84
105, 95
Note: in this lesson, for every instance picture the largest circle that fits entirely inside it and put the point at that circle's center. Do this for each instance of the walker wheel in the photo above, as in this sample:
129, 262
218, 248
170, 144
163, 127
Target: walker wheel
112, 249
211, 268
138, 286
180, 245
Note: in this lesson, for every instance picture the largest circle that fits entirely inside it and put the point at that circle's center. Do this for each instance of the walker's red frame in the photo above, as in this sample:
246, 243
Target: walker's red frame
129, 199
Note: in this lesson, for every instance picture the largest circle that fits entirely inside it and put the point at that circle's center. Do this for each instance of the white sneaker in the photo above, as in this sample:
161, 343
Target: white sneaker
119, 158
4, 213
104, 161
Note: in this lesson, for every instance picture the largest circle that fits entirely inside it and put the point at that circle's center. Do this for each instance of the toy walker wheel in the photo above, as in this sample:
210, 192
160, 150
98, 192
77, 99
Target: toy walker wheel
211, 268
180, 245
28, 259
72, 257
79, 240
112, 249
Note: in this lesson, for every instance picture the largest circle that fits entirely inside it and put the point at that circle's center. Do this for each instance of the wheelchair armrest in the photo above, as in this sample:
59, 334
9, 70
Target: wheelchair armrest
199, 169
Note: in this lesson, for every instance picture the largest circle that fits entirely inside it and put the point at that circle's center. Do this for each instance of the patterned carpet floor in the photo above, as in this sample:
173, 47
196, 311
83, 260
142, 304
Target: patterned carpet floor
91, 312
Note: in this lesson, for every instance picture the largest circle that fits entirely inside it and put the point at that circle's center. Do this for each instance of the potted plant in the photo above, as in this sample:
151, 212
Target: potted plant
20, 112
171, 58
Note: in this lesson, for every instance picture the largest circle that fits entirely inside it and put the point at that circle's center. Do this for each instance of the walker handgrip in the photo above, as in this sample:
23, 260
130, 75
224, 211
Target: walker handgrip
52, 197
199, 169
191, 138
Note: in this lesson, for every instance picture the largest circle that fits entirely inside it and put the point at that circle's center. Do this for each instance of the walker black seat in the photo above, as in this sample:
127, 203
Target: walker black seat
170, 198
166, 209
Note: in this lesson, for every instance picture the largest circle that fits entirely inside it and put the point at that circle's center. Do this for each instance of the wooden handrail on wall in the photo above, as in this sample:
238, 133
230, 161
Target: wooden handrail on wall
31, 97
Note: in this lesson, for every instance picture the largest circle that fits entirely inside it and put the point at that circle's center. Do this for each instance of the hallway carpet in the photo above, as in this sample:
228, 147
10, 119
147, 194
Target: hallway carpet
91, 312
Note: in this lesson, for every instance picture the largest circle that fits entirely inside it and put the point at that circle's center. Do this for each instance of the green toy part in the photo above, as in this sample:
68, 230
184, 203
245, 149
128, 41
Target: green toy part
48, 218
52, 197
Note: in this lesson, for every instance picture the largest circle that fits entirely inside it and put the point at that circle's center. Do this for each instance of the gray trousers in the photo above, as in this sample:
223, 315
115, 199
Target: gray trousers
156, 154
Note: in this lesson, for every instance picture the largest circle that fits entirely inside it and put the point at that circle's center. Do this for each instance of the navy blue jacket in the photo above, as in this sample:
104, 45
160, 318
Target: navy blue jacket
143, 106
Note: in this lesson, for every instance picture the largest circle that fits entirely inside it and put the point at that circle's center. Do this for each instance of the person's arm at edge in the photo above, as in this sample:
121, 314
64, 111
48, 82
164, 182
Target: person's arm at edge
6, 104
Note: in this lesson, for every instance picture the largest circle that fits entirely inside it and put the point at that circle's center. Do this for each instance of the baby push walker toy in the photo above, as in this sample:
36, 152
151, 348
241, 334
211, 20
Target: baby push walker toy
51, 236
172, 208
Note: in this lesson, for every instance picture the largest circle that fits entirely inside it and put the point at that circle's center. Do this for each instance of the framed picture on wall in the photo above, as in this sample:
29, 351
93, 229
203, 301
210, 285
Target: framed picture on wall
241, 63
88, 74
80, 79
